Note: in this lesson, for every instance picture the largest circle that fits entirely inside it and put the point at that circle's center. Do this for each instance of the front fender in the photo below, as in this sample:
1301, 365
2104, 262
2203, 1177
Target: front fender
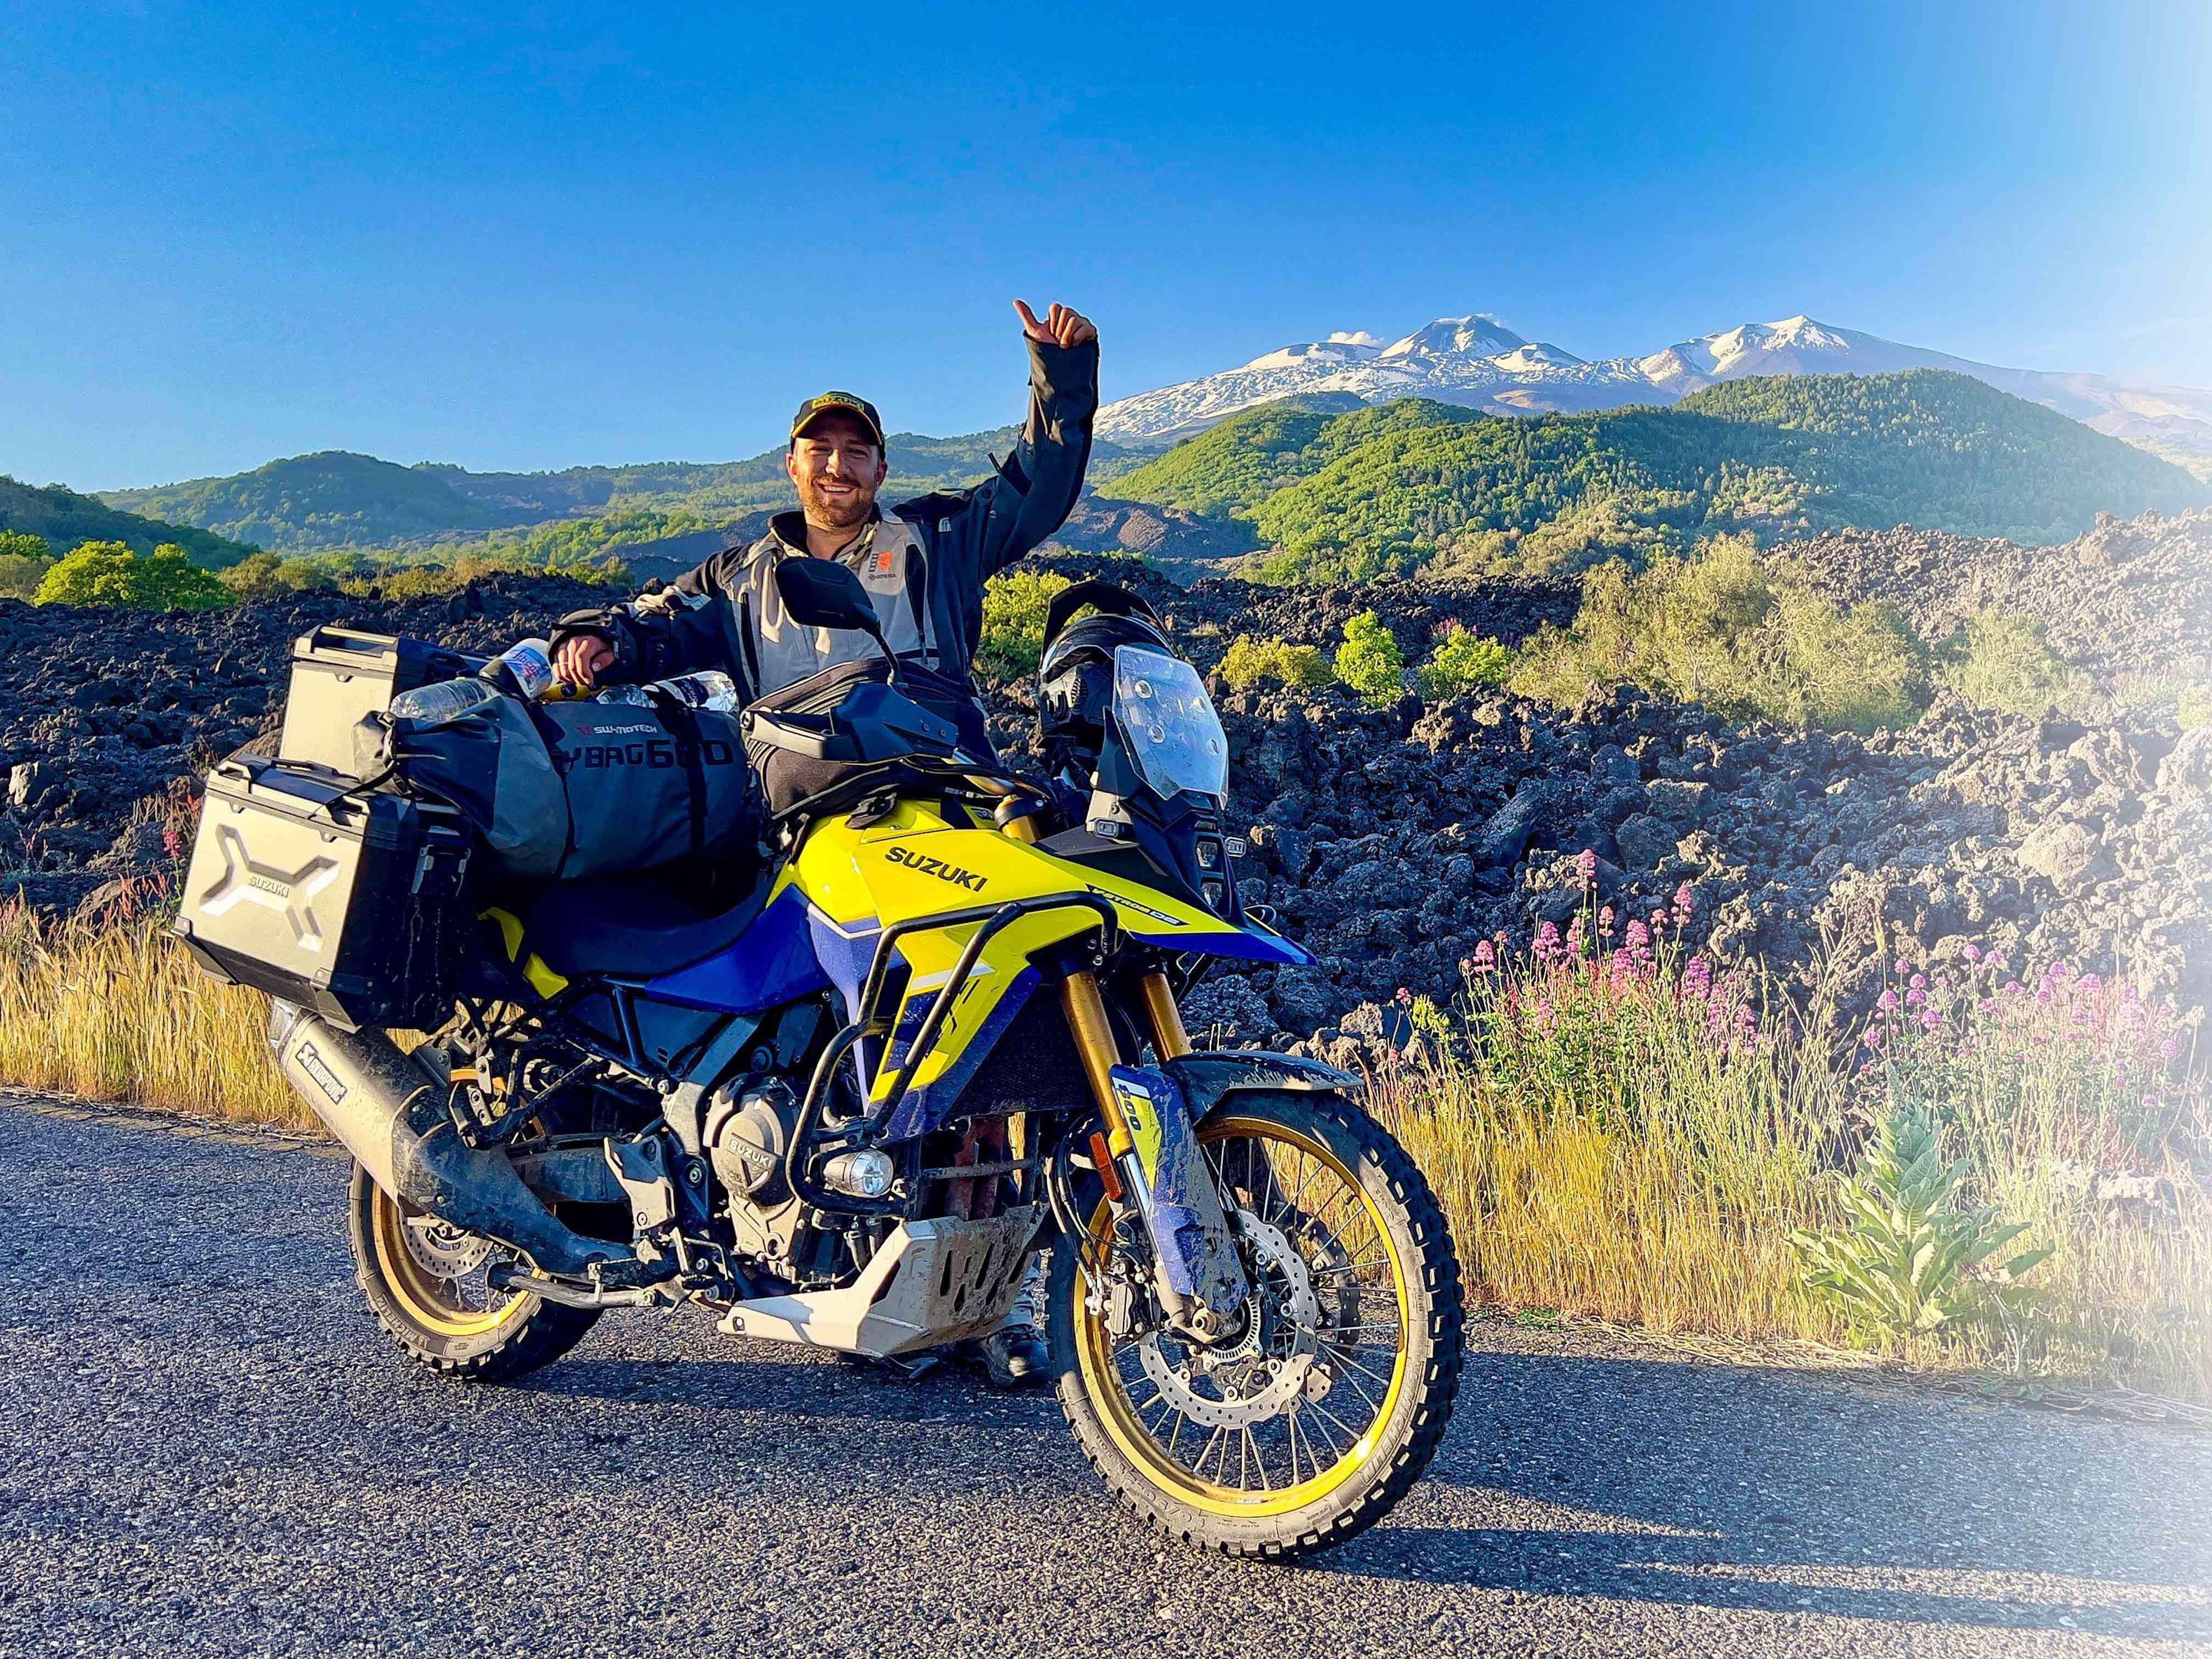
1212, 1075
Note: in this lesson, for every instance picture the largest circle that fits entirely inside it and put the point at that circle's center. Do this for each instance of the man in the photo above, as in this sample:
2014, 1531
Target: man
924, 564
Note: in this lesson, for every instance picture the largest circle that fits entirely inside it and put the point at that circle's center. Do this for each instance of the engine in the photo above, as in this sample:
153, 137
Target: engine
748, 1132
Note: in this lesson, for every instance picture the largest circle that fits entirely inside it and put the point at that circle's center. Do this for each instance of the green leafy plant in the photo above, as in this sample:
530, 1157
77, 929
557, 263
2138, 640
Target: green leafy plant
1249, 662
1465, 661
1904, 1261
109, 575
1740, 634
1369, 661
259, 575
1014, 605
2003, 661
24, 561
2192, 707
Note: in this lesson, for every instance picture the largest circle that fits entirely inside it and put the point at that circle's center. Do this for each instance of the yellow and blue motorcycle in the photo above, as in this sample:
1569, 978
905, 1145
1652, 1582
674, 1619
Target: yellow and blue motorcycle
844, 1108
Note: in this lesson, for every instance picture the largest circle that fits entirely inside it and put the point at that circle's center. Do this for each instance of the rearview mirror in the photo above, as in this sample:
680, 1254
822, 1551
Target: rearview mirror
825, 593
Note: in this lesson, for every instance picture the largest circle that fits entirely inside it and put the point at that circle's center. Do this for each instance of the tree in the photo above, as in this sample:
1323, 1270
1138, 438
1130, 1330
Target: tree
24, 561
110, 576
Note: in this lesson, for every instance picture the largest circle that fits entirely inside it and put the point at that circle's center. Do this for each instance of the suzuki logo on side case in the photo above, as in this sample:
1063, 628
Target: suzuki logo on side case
922, 865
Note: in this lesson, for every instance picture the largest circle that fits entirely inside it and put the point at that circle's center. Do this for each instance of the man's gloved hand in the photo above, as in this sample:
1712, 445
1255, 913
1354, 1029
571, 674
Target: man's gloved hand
581, 658
589, 643
1062, 326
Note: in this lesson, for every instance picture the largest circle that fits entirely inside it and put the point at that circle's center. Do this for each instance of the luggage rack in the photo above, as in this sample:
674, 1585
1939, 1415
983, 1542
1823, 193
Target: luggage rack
870, 1021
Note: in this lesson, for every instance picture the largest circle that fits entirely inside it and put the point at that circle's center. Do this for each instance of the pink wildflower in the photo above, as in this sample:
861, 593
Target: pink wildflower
1586, 865
1686, 902
1548, 943
1915, 997
1932, 1019
1605, 920
1886, 1002
1973, 952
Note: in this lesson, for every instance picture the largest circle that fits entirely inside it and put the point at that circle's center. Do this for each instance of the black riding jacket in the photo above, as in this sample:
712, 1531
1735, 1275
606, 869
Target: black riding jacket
925, 563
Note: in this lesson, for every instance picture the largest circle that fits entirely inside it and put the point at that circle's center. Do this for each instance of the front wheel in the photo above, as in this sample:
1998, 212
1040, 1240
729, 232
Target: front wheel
1325, 1409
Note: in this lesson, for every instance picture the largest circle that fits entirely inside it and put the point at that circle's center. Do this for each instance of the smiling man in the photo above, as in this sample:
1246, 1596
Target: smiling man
924, 563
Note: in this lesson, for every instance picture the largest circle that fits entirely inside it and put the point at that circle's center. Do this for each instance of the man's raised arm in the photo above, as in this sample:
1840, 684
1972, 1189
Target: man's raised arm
1046, 469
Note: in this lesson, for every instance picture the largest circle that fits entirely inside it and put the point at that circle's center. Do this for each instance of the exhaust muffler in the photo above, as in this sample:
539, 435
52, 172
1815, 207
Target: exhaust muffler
391, 1116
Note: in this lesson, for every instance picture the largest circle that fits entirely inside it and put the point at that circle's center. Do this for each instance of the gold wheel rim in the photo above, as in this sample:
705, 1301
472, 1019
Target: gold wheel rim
421, 1294
1124, 1420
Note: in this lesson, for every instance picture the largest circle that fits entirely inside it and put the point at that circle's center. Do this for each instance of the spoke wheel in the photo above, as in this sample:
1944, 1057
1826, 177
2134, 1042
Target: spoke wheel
426, 1282
1322, 1409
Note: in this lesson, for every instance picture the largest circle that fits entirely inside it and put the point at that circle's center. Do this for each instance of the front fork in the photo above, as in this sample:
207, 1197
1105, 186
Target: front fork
1152, 1147
1152, 1157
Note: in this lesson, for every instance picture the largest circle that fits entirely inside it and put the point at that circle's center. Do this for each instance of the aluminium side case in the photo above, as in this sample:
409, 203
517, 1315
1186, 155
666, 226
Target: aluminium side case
344, 901
340, 675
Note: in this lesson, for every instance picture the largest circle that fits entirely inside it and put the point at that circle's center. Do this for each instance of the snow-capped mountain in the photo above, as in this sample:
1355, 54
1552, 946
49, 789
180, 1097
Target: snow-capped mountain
1478, 361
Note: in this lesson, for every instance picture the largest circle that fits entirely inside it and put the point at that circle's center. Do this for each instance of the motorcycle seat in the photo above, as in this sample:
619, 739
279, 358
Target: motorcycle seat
632, 926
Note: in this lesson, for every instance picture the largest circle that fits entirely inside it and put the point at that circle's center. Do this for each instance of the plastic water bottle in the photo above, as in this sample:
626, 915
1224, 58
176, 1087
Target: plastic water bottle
448, 700
635, 695
711, 688
525, 668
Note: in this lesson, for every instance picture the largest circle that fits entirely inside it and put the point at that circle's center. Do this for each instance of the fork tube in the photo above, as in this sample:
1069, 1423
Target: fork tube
1094, 1041
1169, 1036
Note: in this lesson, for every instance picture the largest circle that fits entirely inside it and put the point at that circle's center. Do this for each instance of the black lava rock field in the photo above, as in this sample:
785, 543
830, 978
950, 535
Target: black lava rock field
1392, 841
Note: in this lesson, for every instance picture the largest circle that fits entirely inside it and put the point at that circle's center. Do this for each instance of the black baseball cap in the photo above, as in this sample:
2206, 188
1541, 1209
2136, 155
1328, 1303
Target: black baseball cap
838, 402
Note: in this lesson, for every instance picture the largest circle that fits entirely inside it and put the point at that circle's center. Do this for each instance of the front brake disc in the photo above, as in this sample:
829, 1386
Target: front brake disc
1282, 1377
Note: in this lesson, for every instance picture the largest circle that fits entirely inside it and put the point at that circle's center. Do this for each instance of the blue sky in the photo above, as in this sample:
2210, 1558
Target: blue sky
532, 236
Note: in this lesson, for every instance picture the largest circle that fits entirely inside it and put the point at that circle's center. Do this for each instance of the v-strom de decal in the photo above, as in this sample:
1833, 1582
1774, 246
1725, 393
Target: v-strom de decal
922, 864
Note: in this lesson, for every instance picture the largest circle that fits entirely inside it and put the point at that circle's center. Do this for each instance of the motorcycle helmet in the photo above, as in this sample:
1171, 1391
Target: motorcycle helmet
1075, 675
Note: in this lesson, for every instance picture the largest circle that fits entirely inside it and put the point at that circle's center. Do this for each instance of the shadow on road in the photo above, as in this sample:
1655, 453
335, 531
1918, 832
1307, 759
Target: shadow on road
1766, 1488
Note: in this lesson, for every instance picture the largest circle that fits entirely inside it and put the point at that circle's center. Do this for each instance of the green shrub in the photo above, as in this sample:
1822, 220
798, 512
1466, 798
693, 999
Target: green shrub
1014, 604
1903, 1262
2192, 707
1369, 661
260, 574
24, 561
2005, 662
1743, 637
1249, 662
110, 575
1465, 661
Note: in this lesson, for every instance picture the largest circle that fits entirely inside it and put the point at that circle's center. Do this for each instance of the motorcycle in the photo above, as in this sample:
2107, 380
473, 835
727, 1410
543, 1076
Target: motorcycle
937, 1033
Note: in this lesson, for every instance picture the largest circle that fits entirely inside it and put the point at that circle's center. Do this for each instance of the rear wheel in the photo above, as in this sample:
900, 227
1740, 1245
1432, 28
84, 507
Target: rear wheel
426, 1281
1326, 1407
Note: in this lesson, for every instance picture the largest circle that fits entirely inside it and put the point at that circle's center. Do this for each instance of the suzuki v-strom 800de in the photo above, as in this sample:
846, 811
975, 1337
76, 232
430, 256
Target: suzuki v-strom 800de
935, 1036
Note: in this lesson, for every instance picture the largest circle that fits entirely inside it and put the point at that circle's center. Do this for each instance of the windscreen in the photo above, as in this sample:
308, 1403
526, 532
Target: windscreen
1173, 735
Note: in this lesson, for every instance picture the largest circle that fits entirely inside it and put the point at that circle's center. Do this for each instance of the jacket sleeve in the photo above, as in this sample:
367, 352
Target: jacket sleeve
678, 630
1038, 484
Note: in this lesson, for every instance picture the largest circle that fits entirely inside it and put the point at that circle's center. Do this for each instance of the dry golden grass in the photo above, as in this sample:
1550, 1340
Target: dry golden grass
114, 1008
1630, 1149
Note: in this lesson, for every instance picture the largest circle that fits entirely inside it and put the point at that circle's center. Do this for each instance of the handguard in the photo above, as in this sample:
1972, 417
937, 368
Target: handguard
1181, 1204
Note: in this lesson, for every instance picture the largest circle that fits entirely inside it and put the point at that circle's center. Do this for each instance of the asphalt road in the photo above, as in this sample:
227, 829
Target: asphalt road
206, 1447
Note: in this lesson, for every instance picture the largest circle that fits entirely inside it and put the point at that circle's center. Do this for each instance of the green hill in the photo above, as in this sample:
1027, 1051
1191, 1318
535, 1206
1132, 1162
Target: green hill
65, 518
335, 500
1413, 484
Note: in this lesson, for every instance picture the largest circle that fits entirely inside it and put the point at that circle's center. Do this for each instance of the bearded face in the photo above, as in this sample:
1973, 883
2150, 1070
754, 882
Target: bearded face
837, 468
